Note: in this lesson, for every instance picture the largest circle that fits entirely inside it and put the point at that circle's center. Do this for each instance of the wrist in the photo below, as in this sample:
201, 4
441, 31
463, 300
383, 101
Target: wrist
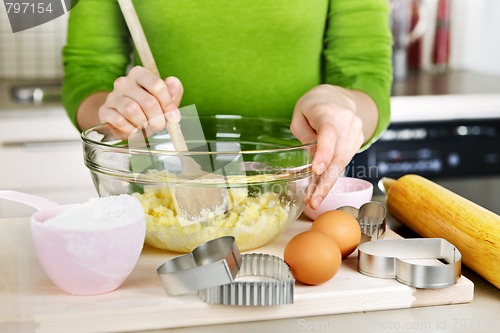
343, 96
88, 112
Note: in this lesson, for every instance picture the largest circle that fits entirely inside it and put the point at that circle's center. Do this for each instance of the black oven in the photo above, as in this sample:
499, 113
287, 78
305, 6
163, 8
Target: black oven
462, 154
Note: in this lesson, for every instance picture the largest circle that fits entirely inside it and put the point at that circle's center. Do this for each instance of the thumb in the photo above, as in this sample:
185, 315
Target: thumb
175, 89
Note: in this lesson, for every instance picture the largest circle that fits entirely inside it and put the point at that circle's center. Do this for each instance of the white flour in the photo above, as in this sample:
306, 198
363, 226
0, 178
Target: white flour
106, 212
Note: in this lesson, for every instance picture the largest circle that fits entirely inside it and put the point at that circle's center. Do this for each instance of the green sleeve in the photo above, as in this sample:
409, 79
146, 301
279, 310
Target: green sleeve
96, 53
358, 52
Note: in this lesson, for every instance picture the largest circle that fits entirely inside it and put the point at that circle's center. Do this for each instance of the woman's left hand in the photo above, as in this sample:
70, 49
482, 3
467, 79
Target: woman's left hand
327, 114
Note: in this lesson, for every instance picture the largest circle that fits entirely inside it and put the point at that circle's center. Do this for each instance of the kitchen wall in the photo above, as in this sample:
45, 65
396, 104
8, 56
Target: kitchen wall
478, 24
36, 53
33, 53
474, 29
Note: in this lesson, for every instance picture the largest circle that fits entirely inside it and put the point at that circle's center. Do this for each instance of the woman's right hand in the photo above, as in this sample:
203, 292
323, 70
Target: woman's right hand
142, 100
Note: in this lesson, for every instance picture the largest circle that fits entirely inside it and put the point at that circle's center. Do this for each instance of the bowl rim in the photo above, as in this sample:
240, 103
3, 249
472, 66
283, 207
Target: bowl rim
84, 136
352, 180
347, 180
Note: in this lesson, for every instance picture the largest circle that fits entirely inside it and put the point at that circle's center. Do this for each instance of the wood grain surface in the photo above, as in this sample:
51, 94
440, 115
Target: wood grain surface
30, 302
434, 211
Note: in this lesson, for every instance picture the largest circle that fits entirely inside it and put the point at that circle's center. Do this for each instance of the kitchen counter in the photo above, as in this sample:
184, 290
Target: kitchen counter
48, 93
448, 83
480, 315
454, 95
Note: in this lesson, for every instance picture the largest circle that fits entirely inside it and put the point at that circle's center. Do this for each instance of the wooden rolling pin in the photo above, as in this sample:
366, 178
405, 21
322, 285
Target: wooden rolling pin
433, 211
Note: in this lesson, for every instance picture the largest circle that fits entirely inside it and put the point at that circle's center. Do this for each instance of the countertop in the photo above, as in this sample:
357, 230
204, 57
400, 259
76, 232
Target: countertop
10, 107
480, 315
447, 83
446, 96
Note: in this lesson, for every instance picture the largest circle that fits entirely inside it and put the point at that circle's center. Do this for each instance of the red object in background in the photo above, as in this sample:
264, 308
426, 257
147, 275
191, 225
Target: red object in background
414, 49
442, 38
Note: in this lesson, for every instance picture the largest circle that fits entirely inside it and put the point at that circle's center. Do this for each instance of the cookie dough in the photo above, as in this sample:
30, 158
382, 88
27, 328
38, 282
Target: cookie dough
253, 220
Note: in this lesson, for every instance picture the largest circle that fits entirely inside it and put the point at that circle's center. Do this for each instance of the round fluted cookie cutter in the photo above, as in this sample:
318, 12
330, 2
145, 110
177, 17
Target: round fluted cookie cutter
263, 280
397, 258
211, 264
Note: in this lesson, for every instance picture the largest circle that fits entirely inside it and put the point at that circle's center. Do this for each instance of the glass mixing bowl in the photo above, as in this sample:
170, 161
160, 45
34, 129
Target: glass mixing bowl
263, 168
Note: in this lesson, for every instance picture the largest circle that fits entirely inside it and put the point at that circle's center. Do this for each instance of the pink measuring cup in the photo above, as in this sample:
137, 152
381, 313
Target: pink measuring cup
81, 261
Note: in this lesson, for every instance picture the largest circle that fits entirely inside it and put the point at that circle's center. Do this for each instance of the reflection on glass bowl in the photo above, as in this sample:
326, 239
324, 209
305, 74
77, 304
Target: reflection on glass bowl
264, 169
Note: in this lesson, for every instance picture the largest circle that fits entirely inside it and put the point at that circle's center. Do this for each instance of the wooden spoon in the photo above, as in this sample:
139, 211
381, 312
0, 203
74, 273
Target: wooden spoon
193, 203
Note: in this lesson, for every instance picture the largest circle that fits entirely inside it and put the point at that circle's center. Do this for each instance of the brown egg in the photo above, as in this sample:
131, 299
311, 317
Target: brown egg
313, 257
340, 226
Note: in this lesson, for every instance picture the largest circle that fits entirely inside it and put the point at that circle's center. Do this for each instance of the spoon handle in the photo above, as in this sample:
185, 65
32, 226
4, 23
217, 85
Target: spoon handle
34, 201
148, 61
138, 36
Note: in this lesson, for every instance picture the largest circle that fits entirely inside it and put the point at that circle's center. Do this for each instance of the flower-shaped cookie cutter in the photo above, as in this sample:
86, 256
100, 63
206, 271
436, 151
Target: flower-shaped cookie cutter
211, 264
371, 217
263, 280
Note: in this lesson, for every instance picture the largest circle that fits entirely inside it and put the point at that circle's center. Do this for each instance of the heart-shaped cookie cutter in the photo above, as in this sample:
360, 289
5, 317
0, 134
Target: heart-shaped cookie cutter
399, 259
211, 264
371, 218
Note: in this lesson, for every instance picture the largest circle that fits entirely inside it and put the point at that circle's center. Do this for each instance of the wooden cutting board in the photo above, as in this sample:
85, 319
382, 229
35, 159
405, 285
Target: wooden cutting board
30, 302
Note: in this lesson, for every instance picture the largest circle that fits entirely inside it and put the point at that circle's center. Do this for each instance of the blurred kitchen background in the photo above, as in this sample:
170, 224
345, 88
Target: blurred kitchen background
445, 105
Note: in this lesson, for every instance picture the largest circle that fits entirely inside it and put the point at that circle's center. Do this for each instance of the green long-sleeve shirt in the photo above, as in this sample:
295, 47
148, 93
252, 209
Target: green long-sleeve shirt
248, 57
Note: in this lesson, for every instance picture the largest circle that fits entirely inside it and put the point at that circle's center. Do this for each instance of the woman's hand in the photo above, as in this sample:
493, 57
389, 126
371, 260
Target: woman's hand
328, 114
141, 100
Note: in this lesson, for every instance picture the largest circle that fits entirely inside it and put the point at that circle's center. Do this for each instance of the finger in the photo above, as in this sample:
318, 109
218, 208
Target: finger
326, 146
357, 132
117, 121
173, 116
324, 185
150, 106
151, 83
334, 134
342, 154
324, 124
311, 187
301, 128
131, 111
338, 163
176, 89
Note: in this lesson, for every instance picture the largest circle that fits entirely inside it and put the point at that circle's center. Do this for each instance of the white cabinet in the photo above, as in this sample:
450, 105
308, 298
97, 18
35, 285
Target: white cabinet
41, 154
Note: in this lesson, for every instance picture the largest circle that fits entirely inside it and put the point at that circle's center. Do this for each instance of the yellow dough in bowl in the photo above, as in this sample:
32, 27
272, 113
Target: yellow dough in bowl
252, 220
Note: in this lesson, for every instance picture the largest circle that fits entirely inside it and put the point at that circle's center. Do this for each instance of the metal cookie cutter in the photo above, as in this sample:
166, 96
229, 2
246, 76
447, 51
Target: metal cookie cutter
371, 218
213, 263
395, 258
263, 280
